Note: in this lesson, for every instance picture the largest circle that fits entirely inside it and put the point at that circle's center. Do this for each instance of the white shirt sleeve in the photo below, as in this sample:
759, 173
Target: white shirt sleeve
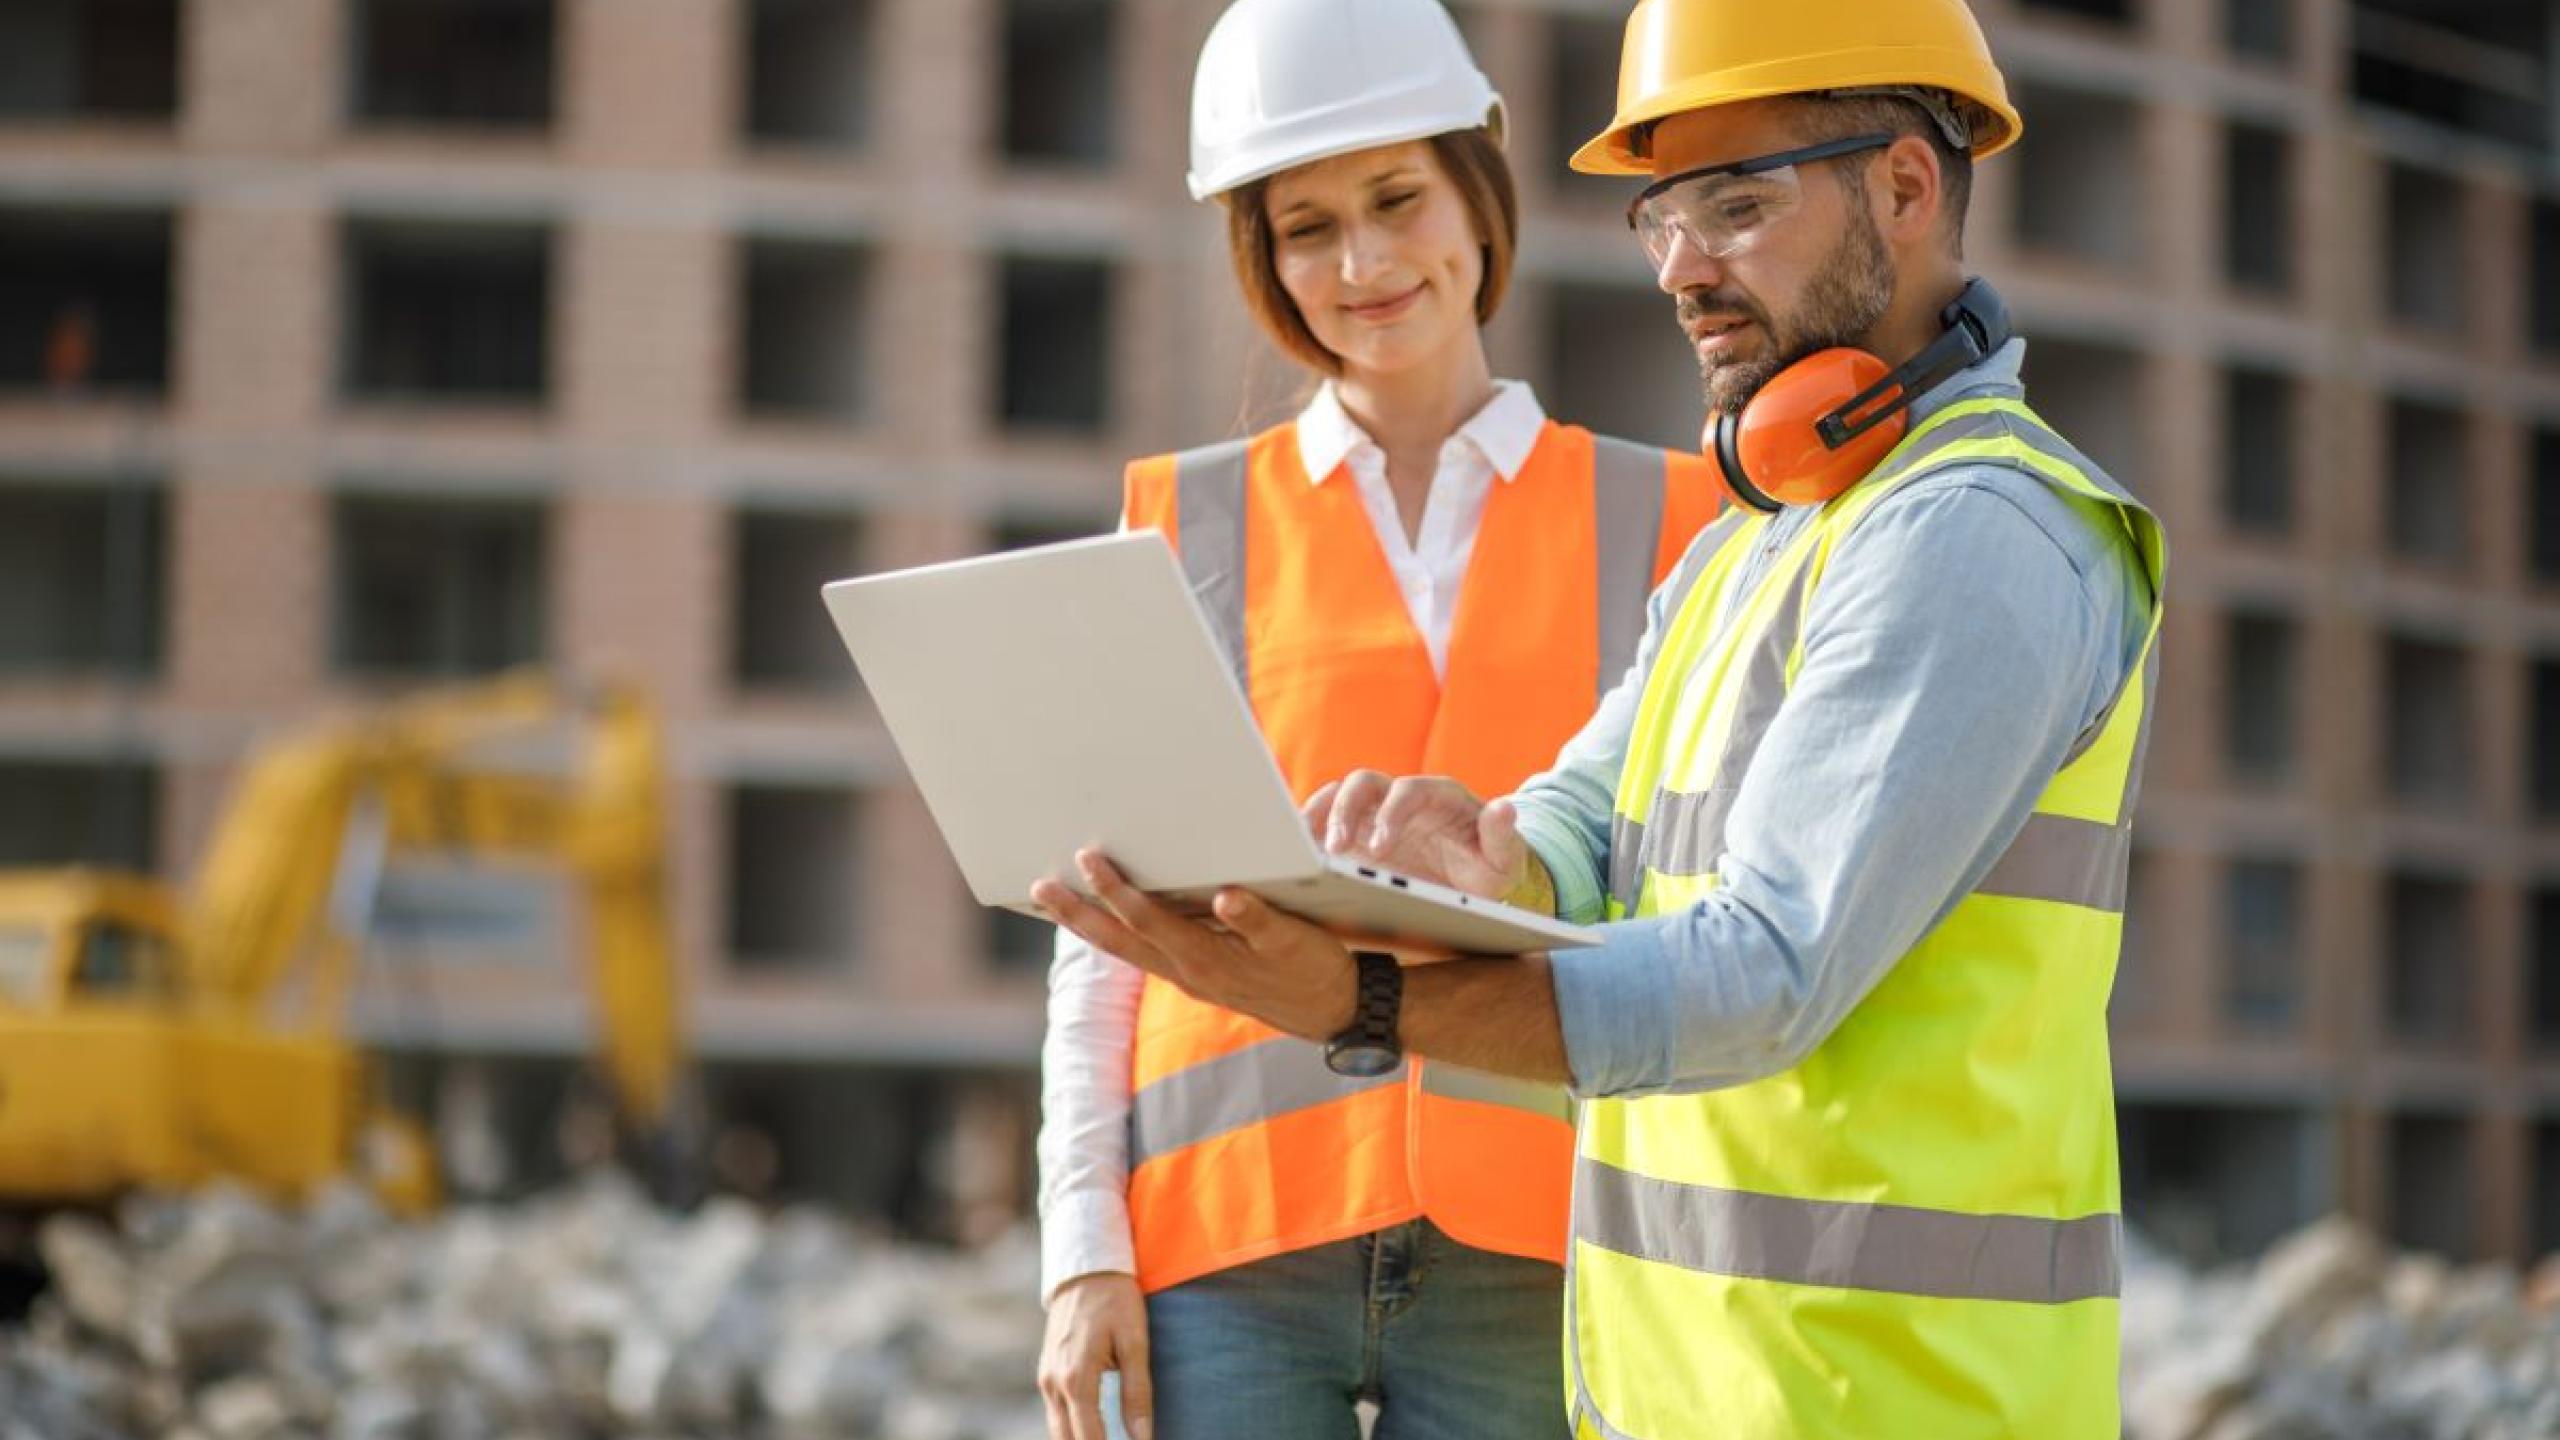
1084, 1115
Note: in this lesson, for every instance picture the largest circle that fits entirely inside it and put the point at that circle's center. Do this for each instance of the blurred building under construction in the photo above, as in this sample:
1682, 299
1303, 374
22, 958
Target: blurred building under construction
351, 344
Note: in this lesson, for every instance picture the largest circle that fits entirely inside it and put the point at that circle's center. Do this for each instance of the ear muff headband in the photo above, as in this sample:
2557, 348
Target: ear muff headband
1977, 323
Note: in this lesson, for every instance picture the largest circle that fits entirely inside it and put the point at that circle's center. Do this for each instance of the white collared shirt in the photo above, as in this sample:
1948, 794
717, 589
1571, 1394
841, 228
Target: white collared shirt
1430, 568
1093, 997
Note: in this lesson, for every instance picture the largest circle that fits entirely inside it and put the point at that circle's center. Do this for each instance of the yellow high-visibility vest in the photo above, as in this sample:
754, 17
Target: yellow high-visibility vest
1915, 1231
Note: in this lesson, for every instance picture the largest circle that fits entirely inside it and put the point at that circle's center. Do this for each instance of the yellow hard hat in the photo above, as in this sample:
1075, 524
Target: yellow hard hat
1691, 54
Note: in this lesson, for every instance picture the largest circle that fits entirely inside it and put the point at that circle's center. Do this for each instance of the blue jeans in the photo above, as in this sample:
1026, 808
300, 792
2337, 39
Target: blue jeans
1450, 1343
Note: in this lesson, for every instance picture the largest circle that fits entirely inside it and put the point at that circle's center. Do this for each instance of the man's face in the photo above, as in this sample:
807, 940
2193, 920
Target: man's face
1816, 277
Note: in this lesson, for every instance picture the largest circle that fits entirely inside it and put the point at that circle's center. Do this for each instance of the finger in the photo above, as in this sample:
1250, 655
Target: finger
1084, 1403
1318, 811
1498, 832
1060, 1426
1093, 924
1426, 806
1247, 914
1265, 928
1135, 907
1355, 808
1406, 801
1137, 1390
1086, 1407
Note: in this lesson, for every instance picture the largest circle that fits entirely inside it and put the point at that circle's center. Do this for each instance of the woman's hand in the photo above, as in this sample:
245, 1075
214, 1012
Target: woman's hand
1097, 1322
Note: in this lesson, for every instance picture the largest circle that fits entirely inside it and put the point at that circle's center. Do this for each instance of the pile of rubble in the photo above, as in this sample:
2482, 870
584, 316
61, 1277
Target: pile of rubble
2331, 1338
591, 1313
587, 1313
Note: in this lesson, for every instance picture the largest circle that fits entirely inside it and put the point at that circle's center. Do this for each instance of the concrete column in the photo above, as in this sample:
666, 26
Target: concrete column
651, 84
2185, 947
2501, 1157
261, 76
939, 106
645, 356
921, 935
2497, 252
249, 595
2363, 1136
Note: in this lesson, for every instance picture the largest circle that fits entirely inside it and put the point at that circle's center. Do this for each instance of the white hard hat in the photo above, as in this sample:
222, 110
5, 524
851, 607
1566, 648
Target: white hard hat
1283, 82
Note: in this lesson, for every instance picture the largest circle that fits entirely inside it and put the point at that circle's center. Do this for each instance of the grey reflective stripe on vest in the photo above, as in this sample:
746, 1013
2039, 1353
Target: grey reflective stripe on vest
2150, 712
1457, 1082
2055, 857
1627, 482
2058, 858
1626, 837
1626, 862
1702, 552
1281, 1076
1895, 1249
1209, 513
1257, 1083
1686, 834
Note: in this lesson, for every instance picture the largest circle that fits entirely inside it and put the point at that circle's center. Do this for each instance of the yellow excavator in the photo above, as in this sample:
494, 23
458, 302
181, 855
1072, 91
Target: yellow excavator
152, 1039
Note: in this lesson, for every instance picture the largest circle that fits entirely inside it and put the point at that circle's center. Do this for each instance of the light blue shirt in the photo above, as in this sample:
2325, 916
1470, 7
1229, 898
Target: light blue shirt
1971, 628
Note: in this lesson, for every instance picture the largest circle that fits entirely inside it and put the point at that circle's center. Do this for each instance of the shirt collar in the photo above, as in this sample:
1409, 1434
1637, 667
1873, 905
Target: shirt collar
1996, 374
1503, 432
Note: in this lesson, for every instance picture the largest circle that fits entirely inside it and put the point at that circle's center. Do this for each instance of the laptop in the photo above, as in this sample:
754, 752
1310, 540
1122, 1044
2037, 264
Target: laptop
1072, 695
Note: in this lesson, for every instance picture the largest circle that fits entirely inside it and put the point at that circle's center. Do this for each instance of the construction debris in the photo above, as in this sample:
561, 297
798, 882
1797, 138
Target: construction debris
590, 1313
586, 1313
2330, 1338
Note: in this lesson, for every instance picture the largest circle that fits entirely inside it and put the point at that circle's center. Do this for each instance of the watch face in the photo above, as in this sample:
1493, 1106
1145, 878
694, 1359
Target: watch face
1363, 1059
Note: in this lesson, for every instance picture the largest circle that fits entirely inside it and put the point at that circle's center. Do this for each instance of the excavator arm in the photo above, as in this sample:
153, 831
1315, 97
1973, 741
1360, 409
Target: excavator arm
272, 919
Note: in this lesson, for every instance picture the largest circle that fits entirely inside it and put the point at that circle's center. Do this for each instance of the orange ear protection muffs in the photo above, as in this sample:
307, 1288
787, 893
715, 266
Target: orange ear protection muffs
1818, 426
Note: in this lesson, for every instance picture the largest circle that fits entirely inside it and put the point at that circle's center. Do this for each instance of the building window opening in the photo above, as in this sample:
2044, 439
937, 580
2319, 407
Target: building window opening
807, 327
81, 571
809, 72
448, 313
793, 868
88, 60
84, 302
1056, 344
480, 63
1059, 81
433, 587
2428, 947
780, 638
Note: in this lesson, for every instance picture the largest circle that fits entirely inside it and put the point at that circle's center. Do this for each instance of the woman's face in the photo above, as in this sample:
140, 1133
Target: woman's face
1379, 252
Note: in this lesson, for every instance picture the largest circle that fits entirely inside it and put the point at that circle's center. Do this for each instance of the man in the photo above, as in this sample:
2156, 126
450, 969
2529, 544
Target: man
1859, 812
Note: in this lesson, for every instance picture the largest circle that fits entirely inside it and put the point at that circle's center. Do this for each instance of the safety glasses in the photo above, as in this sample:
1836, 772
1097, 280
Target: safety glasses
1723, 210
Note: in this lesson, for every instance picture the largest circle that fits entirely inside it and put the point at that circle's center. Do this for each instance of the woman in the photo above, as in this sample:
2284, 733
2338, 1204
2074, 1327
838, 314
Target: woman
1421, 573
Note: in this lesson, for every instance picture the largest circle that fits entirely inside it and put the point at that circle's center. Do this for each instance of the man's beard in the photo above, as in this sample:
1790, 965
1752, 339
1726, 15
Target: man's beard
1847, 297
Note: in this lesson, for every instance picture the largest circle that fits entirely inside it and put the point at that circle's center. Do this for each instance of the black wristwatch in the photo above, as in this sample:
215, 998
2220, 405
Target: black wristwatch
1368, 1047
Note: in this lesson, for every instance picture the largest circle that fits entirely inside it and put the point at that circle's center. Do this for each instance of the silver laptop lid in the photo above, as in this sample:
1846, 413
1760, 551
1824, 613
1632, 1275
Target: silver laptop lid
1066, 696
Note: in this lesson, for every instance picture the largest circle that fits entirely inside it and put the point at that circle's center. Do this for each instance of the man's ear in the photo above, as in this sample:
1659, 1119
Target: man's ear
1912, 191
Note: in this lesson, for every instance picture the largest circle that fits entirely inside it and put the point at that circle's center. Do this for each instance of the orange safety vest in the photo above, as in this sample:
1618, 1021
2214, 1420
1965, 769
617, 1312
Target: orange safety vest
1242, 1144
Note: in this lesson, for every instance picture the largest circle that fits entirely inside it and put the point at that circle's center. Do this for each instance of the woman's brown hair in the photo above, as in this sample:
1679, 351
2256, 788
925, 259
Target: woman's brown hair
1473, 160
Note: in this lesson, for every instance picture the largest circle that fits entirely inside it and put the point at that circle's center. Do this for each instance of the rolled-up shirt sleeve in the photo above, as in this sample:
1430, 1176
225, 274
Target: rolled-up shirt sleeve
1964, 636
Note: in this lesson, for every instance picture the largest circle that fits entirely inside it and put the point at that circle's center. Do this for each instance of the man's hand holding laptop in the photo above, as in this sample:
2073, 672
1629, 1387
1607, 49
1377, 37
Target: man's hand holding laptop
1263, 962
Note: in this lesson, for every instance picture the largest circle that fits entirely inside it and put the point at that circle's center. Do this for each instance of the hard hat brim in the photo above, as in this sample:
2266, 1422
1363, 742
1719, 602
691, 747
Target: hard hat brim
1210, 187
